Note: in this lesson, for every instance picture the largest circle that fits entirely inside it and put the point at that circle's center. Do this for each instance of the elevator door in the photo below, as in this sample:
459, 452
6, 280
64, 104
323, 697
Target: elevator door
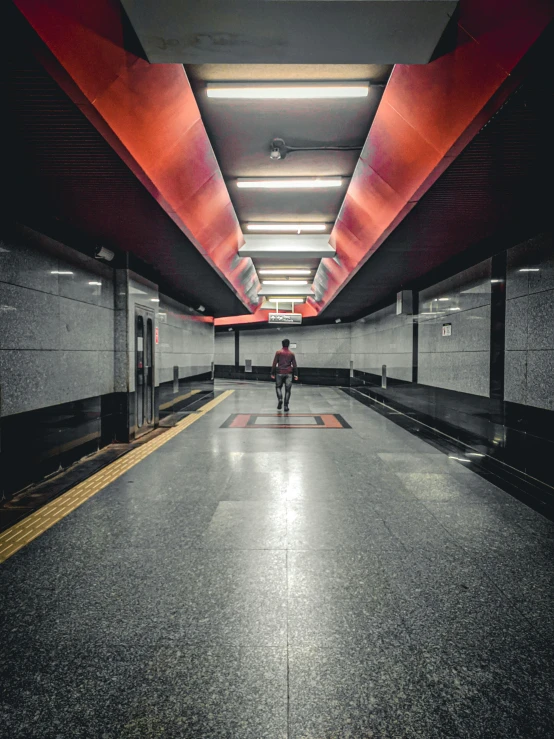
144, 369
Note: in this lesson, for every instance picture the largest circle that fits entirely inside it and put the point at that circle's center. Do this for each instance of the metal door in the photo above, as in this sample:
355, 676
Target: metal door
144, 369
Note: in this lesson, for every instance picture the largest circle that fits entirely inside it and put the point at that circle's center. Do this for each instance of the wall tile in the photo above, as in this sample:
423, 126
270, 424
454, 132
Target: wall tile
470, 288
90, 285
515, 376
28, 380
106, 372
85, 327
78, 376
466, 372
516, 323
535, 253
541, 320
22, 264
540, 379
28, 319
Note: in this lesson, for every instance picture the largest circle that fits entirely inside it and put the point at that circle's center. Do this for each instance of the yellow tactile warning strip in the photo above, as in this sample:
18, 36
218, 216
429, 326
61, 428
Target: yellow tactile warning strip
23, 532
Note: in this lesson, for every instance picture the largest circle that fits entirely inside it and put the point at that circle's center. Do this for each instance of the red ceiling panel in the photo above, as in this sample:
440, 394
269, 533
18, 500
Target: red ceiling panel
441, 99
506, 27
392, 134
428, 113
148, 114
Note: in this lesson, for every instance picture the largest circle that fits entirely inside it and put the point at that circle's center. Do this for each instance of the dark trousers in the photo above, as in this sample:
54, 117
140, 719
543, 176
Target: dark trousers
285, 380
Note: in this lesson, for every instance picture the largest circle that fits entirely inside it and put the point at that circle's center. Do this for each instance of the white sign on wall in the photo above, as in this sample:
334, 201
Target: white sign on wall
285, 318
447, 329
398, 304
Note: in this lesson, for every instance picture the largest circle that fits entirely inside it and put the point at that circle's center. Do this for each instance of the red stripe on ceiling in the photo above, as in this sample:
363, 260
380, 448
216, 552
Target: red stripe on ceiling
427, 115
149, 115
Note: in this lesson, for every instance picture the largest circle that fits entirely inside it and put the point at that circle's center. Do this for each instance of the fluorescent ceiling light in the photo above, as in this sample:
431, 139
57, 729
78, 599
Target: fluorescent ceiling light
441, 299
287, 90
60, 272
95, 283
154, 300
285, 299
285, 271
297, 183
530, 269
286, 227
285, 282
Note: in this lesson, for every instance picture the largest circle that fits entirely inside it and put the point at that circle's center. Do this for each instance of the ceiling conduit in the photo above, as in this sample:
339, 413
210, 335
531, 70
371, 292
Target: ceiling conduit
148, 114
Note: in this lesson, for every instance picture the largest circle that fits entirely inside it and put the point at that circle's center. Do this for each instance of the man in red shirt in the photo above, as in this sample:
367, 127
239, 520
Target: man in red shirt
285, 363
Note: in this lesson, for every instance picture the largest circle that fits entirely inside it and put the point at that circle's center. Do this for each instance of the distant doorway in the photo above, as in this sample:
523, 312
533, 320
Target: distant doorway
144, 369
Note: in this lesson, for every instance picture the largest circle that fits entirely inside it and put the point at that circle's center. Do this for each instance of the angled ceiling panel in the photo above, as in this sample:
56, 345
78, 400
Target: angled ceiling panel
444, 103
148, 114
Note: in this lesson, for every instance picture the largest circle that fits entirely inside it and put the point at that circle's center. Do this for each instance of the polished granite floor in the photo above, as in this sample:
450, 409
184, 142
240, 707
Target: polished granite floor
284, 583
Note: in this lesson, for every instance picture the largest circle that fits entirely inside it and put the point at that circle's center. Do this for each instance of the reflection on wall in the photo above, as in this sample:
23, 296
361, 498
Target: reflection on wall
529, 378
461, 360
56, 324
384, 338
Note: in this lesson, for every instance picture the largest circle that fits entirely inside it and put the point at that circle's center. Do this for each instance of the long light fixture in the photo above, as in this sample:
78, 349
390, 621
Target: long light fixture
285, 282
287, 90
289, 272
285, 299
286, 227
297, 183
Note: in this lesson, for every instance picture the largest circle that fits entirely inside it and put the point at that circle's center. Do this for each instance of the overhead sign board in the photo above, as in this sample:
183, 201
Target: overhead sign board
285, 318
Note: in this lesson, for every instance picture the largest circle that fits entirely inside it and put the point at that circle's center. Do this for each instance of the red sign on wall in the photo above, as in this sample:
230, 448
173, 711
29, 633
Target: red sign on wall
157, 335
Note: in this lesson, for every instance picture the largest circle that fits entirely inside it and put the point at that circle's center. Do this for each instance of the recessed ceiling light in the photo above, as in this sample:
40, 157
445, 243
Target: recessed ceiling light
287, 90
201, 308
285, 271
297, 183
286, 227
285, 282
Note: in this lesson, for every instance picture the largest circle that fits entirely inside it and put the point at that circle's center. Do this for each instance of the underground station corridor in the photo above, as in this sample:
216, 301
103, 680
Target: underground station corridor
277, 370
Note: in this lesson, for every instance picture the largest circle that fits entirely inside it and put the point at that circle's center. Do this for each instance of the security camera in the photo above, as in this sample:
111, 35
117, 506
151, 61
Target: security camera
278, 150
105, 254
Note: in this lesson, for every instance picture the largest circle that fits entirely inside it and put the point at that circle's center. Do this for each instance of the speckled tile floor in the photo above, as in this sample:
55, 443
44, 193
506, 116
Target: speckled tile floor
284, 584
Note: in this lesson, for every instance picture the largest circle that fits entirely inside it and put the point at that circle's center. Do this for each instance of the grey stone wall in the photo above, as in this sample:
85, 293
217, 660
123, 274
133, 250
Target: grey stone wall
56, 324
186, 340
529, 365
316, 346
460, 361
384, 338
225, 348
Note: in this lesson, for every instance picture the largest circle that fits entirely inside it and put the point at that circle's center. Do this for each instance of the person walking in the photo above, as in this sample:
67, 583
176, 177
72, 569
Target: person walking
285, 364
